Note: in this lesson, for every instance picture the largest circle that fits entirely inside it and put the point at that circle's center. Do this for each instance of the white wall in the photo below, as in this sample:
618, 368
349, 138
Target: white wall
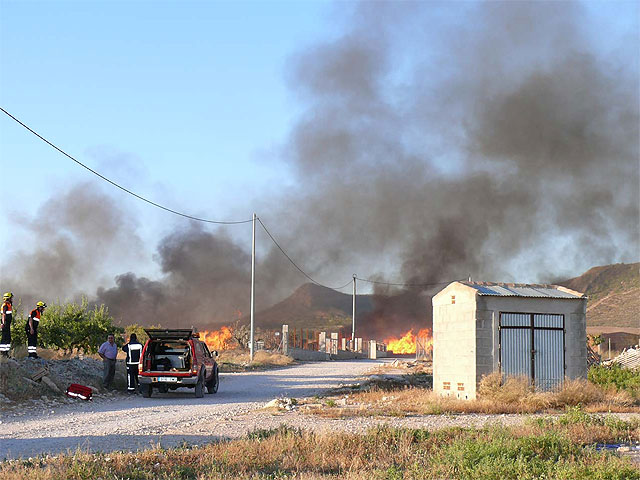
454, 342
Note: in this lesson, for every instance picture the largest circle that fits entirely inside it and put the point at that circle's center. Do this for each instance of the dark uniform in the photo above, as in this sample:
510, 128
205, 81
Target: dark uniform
7, 316
32, 339
134, 351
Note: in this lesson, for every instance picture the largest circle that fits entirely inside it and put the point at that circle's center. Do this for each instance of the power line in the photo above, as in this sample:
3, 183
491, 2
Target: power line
205, 220
405, 284
295, 264
349, 282
175, 212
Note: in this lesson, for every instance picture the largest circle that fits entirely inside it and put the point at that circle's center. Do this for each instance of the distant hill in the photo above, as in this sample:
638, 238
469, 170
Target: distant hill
614, 294
613, 290
313, 306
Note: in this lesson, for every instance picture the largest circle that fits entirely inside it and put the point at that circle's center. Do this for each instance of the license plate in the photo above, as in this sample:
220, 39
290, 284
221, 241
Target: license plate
167, 379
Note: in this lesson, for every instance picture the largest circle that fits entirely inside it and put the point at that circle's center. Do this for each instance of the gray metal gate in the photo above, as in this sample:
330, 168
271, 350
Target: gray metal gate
532, 345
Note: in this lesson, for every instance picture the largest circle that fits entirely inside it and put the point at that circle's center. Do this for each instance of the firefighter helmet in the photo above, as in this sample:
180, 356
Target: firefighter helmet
41, 304
7, 295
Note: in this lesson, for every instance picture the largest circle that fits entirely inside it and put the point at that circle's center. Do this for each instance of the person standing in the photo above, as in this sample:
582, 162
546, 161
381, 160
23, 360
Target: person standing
5, 323
108, 351
134, 351
32, 329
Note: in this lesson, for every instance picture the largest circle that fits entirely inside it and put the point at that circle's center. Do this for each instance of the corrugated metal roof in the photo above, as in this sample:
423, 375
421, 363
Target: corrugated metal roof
522, 290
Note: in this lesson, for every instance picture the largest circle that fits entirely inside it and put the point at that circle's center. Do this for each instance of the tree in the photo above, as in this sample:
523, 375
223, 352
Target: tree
74, 326
241, 334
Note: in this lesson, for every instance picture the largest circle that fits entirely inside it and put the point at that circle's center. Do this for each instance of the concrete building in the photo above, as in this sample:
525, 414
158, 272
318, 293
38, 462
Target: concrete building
537, 331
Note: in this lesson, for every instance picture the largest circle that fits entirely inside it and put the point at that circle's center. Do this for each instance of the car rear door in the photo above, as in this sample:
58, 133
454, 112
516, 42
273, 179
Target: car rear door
207, 359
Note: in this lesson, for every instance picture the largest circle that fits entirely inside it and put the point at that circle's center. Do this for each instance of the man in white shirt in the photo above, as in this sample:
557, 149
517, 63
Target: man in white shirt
108, 352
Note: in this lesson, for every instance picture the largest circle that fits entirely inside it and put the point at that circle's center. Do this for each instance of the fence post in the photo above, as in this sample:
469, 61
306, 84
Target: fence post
322, 342
285, 339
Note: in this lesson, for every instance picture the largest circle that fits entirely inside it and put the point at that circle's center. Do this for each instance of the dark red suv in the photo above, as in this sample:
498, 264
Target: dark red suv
177, 358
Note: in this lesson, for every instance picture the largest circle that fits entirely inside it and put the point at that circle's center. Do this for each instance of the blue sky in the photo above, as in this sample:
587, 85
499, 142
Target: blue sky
174, 87
186, 103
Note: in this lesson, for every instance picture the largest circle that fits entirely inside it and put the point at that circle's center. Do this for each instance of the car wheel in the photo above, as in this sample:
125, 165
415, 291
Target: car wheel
200, 387
146, 390
212, 385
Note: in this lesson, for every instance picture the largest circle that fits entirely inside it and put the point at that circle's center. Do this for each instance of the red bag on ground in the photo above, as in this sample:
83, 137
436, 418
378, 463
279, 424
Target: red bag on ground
76, 390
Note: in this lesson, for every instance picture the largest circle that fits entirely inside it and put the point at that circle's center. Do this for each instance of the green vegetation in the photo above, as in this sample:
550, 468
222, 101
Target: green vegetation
561, 448
69, 327
614, 375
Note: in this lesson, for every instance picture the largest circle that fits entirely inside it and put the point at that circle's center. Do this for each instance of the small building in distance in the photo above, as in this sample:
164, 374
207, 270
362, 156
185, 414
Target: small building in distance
536, 331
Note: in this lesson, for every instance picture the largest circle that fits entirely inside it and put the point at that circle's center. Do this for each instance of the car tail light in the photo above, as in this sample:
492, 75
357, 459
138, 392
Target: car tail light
140, 368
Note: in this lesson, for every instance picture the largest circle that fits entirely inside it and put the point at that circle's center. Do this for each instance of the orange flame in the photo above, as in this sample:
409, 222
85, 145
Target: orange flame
407, 344
218, 339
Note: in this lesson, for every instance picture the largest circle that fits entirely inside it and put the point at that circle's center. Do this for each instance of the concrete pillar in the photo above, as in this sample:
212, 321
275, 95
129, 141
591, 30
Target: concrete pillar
334, 343
373, 349
358, 345
344, 344
322, 342
285, 339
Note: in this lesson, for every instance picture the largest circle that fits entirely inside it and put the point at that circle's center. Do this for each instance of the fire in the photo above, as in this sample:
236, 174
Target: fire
218, 339
407, 344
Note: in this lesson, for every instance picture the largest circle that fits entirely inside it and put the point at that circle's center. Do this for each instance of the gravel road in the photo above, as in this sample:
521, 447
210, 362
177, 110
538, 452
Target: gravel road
120, 422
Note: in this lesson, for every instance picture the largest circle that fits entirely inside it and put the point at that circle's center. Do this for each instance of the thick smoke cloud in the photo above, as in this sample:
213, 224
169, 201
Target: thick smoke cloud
436, 141
512, 153
76, 235
206, 279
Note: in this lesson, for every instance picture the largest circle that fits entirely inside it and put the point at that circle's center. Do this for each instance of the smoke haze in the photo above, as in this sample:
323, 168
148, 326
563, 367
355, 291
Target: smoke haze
436, 141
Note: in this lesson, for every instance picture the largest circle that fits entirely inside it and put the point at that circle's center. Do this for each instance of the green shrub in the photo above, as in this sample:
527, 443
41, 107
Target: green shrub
74, 326
139, 331
615, 376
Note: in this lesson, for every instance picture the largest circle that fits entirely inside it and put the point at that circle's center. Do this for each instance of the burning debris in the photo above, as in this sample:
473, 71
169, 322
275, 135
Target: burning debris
219, 340
408, 343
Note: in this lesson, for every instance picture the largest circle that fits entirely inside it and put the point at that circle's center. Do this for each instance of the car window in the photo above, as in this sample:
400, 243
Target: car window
206, 350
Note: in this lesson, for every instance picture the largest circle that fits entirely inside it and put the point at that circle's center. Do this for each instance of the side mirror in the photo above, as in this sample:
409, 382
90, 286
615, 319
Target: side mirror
215, 353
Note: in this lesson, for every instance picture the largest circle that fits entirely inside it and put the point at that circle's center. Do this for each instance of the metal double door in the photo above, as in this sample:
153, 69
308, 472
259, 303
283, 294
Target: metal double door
532, 345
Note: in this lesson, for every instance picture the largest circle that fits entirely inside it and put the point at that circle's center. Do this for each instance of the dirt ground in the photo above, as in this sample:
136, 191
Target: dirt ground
117, 421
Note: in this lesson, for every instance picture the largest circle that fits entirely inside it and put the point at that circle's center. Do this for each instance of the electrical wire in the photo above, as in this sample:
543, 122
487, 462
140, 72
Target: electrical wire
405, 284
294, 263
205, 220
140, 197
349, 282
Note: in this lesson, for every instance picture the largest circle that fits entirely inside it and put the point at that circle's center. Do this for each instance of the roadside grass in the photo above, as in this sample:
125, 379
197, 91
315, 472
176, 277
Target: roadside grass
560, 448
238, 360
494, 397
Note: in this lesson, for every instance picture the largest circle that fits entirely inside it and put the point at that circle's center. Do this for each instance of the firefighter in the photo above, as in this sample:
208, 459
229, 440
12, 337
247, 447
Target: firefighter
5, 322
32, 329
134, 351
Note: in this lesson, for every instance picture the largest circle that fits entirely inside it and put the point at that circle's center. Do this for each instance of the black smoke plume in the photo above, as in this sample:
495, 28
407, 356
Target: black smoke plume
437, 141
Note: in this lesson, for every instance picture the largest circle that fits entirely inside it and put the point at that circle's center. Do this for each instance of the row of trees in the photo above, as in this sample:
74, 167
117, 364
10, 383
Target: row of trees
82, 328
69, 327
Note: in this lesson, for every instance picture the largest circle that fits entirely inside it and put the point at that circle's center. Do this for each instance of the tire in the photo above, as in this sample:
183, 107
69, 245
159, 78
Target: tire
200, 386
212, 385
146, 390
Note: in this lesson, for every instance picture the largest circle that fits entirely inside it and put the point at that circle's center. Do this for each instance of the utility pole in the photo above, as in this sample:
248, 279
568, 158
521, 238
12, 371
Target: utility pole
353, 317
253, 283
